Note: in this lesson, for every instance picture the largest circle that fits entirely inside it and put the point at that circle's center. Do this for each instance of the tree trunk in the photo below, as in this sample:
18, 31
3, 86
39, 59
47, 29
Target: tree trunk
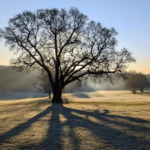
49, 94
133, 91
57, 96
141, 89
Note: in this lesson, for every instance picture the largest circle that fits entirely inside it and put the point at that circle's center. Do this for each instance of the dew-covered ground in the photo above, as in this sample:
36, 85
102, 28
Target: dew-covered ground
94, 120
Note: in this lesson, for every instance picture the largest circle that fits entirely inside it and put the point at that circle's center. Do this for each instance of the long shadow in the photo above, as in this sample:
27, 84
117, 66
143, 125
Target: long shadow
21, 127
105, 129
53, 139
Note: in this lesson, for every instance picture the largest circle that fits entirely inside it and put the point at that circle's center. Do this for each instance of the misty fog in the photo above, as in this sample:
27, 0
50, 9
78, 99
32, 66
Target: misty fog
11, 80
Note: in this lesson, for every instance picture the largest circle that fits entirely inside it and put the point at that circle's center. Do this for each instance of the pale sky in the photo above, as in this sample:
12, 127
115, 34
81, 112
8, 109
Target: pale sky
131, 19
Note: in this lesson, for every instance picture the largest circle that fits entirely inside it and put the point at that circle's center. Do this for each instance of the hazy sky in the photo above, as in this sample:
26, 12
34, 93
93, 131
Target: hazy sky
131, 19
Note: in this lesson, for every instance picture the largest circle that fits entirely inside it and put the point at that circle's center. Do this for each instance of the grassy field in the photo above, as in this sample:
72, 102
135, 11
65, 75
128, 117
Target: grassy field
96, 120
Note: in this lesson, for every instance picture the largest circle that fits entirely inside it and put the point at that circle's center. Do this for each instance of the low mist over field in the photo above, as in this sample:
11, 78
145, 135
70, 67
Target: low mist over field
11, 80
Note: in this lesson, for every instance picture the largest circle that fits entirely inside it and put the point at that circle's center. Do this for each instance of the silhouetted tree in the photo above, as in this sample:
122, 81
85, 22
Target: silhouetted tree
137, 81
66, 41
143, 82
131, 81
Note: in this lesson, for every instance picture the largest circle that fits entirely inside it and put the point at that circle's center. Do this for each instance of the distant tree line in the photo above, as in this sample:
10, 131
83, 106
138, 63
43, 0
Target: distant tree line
137, 81
11, 80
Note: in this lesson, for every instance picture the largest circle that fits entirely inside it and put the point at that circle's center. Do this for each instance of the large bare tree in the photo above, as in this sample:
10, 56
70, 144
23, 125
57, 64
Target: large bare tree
65, 41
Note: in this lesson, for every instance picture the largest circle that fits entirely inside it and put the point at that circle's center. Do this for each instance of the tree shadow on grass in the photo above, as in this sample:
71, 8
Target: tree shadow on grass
115, 131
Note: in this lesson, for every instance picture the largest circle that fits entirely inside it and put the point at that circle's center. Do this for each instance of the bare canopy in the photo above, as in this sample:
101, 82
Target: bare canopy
64, 41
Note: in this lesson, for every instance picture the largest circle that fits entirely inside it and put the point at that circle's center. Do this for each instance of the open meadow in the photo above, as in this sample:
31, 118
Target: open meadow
94, 120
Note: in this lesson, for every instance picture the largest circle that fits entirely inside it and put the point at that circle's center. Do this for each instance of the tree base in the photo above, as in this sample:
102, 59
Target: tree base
56, 100
57, 96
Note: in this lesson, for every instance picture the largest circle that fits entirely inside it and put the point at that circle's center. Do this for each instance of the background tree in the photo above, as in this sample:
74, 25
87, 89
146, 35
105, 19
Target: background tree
143, 82
43, 84
137, 81
66, 41
131, 81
